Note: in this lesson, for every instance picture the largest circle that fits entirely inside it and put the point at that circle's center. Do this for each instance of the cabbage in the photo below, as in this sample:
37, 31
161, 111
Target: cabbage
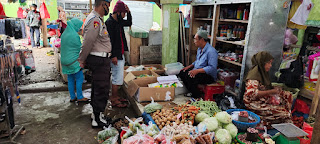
211, 123
201, 116
224, 117
223, 136
232, 129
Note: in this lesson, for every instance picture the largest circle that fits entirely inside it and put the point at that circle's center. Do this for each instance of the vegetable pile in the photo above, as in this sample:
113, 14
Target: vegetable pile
108, 136
164, 118
181, 129
120, 123
208, 107
187, 112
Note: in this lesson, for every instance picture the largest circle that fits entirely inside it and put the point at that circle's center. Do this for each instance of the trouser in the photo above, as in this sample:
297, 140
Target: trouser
32, 31
100, 67
192, 83
78, 78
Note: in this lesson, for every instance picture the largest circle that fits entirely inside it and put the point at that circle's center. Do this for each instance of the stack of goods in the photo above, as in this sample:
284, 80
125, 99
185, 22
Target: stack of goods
165, 117
229, 78
239, 12
232, 33
236, 56
167, 81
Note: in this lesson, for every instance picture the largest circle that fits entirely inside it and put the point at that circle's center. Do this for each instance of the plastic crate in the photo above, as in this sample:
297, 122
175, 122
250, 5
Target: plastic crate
173, 68
211, 89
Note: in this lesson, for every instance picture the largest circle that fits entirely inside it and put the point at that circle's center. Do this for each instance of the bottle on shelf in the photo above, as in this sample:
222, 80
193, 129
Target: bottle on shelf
238, 32
235, 31
242, 33
229, 31
242, 10
239, 13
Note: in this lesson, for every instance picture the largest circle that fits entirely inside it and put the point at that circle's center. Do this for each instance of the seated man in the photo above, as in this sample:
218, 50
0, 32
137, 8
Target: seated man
204, 69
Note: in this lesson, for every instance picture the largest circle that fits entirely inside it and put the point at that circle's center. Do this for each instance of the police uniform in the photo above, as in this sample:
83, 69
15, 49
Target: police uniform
95, 51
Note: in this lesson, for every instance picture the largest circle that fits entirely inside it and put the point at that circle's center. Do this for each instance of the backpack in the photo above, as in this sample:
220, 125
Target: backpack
293, 76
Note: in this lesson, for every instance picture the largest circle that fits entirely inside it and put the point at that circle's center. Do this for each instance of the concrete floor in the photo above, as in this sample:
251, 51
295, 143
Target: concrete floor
49, 117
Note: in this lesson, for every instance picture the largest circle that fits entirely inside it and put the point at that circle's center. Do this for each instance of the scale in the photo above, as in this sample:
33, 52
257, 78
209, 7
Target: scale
289, 133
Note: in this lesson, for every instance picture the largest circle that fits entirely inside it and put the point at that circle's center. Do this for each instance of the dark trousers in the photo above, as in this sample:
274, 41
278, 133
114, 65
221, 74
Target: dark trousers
192, 83
37, 31
100, 87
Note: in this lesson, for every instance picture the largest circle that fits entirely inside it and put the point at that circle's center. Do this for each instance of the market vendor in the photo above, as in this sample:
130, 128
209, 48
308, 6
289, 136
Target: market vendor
263, 99
204, 69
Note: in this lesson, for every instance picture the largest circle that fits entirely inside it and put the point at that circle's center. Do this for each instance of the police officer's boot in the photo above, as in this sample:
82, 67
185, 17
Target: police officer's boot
99, 120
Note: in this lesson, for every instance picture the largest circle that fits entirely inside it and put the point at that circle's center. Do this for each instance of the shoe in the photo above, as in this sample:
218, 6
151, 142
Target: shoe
100, 121
73, 100
83, 100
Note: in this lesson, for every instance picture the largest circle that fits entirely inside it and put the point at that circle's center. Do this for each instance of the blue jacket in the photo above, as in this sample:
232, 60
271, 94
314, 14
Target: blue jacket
208, 60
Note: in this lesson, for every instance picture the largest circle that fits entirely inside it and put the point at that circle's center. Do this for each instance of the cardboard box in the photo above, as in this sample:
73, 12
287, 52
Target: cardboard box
140, 90
133, 75
160, 68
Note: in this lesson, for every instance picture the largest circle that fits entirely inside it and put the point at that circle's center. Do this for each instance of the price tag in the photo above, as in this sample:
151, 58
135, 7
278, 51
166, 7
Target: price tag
179, 115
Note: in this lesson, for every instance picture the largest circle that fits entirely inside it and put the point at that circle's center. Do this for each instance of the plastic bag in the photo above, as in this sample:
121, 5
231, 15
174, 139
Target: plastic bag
44, 11
108, 136
139, 138
301, 106
152, 107
29, 61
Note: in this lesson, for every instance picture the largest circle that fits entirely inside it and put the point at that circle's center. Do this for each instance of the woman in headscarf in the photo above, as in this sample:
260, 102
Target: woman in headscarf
70, 49
62, 19
273, 105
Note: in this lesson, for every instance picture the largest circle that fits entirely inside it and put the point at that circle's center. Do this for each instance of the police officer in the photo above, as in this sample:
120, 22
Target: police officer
94, 54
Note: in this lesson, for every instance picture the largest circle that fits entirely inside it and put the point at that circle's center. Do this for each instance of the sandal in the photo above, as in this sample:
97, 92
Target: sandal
73, 100
123, 100
83, 100
119, 104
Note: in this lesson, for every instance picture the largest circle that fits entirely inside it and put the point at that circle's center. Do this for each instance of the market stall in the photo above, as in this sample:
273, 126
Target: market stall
13, 62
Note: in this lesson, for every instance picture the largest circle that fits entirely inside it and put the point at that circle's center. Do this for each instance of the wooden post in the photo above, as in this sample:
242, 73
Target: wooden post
90, 4
315, 100
316, 129
44, 30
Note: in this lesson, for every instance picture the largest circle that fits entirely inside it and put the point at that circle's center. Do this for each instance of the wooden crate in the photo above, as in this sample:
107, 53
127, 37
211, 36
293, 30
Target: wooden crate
150, 54
135, 44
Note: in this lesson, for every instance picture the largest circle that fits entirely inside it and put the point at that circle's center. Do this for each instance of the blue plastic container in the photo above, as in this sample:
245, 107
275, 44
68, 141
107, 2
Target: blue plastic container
242, 126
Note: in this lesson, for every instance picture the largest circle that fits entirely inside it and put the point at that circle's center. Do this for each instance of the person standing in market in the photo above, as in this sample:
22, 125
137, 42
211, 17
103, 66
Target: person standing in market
94, 54
34, 22
204, 69
70, 49
115, 24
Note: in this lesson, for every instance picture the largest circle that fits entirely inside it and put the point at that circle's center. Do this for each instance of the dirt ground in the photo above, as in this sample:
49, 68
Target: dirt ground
49, 117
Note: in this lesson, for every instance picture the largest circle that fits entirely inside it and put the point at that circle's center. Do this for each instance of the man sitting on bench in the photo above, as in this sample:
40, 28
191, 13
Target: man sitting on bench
204, 69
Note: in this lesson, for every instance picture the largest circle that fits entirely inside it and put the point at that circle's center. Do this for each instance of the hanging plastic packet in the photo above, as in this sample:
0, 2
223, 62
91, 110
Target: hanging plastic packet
108, 135
152, 107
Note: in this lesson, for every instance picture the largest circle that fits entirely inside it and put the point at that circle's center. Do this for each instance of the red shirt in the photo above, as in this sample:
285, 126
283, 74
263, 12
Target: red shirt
122, 45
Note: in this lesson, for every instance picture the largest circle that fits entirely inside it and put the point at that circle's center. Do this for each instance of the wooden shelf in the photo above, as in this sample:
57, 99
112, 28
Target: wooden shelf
231, 62
204, 19
232, 42
234, 20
